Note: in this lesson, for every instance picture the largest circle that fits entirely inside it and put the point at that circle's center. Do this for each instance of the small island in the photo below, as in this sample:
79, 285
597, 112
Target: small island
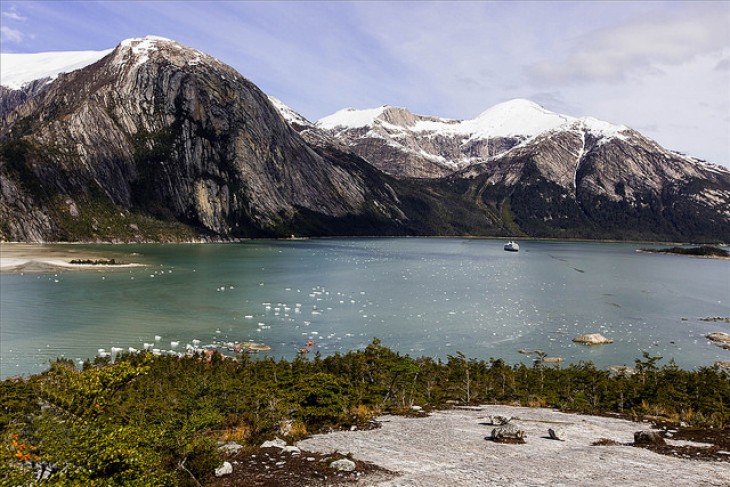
708, 251
95, 262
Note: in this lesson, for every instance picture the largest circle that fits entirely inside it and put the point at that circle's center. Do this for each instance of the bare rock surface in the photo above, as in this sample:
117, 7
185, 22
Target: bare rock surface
451, 448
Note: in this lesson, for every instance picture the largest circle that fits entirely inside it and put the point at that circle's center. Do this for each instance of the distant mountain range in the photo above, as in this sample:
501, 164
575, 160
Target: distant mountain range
156, 141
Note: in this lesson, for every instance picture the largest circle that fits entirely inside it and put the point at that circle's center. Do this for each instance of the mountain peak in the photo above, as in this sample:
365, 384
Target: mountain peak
18, 69
351, 118
517, 117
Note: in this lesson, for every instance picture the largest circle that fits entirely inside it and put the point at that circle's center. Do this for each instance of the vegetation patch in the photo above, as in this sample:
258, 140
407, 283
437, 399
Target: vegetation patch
151, 421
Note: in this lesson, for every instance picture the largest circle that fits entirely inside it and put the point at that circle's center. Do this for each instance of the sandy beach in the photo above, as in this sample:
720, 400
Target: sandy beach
18, 257
451, 448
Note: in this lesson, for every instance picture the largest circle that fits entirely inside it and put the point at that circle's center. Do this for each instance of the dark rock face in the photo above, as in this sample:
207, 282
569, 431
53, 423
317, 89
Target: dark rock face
165, 130
572, 183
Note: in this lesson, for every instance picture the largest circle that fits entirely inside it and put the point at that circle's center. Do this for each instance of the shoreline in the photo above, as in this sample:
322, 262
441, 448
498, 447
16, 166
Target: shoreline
22, 257
363, 237
678, 254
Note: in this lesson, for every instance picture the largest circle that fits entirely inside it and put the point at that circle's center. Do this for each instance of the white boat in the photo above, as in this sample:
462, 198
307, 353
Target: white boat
512, 246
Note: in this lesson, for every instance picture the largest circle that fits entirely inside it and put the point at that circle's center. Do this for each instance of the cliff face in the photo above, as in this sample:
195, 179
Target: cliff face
583, 181
163, 130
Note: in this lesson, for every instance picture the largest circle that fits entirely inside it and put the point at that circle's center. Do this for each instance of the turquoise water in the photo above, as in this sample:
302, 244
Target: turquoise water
431, 297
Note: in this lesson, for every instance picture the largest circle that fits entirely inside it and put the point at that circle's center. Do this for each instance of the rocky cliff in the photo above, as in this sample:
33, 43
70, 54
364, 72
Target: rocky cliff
159, 131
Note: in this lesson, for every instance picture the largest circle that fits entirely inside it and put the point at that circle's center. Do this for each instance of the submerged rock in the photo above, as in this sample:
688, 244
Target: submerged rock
718, 337
592, 339
552, 360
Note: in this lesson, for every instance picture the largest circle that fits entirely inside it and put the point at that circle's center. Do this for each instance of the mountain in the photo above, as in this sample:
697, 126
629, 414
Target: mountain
406, 145
552, 174
156, 134
156, 141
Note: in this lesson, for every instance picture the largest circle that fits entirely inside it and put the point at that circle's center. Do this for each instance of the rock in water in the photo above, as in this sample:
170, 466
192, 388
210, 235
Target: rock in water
225, 469
648, 438
718, 337
552, 360
592, 339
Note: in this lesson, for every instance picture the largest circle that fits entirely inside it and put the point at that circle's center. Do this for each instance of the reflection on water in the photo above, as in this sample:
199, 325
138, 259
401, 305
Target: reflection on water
419, 296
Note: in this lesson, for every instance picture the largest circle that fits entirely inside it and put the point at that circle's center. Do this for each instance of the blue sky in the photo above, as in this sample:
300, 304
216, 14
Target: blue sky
662, 68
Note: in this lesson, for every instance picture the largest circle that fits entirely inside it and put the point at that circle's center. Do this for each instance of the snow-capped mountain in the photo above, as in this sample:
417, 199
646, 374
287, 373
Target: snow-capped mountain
406, 145
154, 140
157, 140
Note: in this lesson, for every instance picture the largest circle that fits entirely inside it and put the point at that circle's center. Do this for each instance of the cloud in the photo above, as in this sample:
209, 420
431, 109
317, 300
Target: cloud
723, 65
636, 47
10, 35
13, 15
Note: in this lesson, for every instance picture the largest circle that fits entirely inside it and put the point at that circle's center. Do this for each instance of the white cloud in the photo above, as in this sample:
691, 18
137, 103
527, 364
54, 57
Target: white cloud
13, 15
640, 46
8, 34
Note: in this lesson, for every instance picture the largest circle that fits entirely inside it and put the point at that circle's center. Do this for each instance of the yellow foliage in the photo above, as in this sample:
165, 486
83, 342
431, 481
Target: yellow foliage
298, 429
239, 434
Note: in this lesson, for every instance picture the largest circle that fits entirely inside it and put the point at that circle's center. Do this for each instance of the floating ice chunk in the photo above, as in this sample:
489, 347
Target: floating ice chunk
133, 350
158, 338
196, 343
174, 344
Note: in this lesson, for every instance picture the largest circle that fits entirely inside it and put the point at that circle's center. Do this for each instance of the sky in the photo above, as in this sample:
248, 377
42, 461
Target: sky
660, 67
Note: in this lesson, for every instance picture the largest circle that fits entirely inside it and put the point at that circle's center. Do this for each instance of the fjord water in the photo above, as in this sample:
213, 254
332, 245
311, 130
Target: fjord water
431, 297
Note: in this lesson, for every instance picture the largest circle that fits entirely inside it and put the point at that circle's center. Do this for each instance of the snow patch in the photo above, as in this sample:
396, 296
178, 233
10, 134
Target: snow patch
518, 118
350, 118
141, 48
18, 69
289, 115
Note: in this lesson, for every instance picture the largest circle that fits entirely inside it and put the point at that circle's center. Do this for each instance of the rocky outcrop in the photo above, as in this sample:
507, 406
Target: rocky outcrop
225, 469
592, 339
720, 339
648, 438
343, 465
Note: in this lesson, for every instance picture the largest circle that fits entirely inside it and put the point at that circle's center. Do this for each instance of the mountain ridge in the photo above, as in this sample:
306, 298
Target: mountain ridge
158, 141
